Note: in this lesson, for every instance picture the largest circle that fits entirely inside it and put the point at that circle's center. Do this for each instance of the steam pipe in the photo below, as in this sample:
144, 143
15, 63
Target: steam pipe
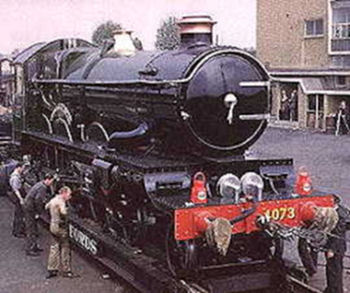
138, 132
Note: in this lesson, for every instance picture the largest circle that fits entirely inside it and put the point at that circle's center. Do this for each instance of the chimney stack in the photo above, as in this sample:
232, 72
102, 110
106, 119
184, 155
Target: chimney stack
196, 29
124, 45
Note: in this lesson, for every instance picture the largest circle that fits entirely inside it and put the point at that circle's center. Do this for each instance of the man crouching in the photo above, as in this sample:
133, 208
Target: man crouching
60, 253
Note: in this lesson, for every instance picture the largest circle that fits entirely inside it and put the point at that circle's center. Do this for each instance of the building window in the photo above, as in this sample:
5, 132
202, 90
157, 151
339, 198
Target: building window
315, 111
341, 31
340, 80
340, 34
314, 27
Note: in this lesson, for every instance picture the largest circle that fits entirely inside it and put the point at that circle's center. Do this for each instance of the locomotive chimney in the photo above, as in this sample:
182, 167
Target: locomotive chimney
196, 29
123, 45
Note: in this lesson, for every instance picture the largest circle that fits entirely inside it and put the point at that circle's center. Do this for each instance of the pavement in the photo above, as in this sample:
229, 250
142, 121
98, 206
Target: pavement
327, 158
24, 274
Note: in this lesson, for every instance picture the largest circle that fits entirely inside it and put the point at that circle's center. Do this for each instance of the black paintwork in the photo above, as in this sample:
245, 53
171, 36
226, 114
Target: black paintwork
160, 89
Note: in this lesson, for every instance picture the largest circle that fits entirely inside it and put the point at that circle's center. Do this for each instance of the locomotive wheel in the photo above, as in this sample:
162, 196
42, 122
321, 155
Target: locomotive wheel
182, 256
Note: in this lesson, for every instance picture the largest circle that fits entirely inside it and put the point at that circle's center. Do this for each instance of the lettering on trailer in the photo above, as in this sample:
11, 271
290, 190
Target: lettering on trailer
83, 240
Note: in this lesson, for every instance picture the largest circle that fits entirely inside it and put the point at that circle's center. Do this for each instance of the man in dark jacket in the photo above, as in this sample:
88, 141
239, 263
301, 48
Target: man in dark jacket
34, 205
335, 250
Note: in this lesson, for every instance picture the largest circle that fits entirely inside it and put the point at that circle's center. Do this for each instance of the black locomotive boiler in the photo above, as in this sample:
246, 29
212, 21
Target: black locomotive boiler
154, 145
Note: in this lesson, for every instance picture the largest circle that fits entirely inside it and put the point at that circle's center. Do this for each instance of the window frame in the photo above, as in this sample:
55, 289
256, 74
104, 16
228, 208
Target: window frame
340, 81
314, 28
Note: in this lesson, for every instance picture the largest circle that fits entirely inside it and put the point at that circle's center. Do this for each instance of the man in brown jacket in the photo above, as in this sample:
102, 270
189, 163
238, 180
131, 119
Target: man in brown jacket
60, 254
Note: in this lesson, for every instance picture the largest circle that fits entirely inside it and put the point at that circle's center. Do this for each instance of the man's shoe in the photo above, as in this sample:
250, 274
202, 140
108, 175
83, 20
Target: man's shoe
32, 253
51, 274
70, 275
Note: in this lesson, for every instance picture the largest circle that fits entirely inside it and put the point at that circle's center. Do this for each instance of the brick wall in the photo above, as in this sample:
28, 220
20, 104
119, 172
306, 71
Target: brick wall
280, 33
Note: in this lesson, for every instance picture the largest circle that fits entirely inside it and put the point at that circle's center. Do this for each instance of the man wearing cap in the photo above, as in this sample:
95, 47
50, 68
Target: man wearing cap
17, 197
33, 206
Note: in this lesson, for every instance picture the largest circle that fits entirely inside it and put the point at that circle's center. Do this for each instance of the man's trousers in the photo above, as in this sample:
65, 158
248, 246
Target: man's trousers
60, 254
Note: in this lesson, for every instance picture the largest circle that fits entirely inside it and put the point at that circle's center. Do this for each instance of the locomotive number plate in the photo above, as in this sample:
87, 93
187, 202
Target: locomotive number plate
278, 214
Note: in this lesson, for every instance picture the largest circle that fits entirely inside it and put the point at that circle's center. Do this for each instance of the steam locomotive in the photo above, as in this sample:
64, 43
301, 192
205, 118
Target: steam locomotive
154, 143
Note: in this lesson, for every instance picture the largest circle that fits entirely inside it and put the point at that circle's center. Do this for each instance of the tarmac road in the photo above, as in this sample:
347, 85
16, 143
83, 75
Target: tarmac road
327, 158
23, 274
